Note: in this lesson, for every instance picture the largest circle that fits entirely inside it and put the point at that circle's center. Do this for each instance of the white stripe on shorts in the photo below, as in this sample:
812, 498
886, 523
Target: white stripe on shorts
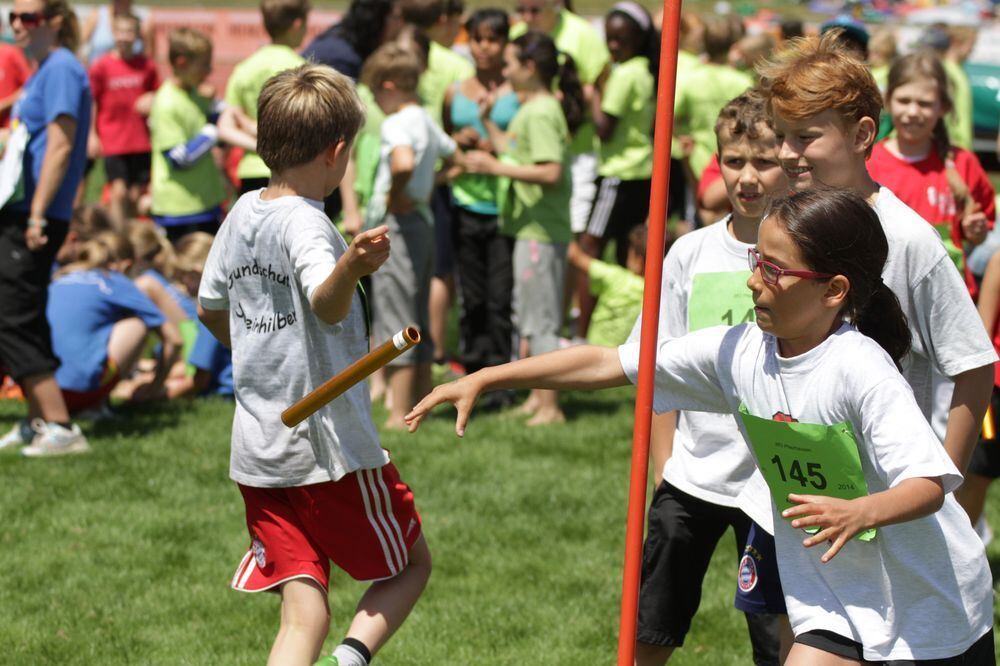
241, 569
397, 532
383, 507
245, 578
603, 207
362, 484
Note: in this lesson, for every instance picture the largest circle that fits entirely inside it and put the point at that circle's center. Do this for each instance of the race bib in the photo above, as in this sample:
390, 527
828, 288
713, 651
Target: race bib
719, 299
807, 458
954, 253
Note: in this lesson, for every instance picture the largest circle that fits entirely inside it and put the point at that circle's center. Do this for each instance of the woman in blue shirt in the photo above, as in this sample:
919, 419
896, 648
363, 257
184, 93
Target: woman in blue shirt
55, 110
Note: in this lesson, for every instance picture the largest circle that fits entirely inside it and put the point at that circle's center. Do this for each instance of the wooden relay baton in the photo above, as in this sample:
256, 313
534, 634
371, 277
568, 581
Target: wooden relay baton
349, 376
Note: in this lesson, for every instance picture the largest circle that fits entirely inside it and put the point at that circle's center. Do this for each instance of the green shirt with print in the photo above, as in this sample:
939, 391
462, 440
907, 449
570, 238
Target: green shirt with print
628, 96
444, 68
537, 134
619, 300
176, 117
708, 88
243, 89
959, 121
574, 35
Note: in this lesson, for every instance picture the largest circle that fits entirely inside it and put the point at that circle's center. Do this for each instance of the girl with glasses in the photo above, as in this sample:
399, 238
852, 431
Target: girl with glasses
832, 426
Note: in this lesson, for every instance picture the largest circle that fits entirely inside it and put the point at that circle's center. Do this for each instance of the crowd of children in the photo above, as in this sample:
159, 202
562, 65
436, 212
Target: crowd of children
808, 289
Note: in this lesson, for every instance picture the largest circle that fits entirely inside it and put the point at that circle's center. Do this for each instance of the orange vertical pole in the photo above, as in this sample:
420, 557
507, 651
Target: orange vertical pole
656, 235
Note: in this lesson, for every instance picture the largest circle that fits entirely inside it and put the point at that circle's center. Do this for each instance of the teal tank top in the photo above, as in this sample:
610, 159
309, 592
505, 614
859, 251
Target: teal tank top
478, 192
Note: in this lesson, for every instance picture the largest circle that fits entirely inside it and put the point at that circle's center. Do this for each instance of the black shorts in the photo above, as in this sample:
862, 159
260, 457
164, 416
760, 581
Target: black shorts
25, 337
979, 653
758, 586
618, 206
683, 533
443, 211
986, 456
133, 168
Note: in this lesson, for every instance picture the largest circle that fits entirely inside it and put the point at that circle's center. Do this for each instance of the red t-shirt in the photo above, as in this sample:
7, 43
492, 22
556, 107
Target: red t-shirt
14, 73
923, 186
712, 173
116, 84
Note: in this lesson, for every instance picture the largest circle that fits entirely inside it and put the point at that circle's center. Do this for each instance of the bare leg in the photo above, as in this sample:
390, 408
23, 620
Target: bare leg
423, 383
126, 343
305, 622
387, 603
442, 292
45, 399
803, 655
651, 655
786, 638
548, 409
972, 495
119, 203
402, 384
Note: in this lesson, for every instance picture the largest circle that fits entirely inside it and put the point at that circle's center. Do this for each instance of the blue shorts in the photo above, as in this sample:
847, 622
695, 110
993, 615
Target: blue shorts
758, 586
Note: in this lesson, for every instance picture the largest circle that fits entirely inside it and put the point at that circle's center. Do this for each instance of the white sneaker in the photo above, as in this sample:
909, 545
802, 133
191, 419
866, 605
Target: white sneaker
52, 439
19, 435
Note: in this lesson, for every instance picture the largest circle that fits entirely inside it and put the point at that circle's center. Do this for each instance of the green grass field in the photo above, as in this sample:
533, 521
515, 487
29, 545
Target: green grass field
124, 556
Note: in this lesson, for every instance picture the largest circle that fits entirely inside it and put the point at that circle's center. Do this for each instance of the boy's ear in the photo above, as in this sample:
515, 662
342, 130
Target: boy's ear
836, 292
336, 151
865, 134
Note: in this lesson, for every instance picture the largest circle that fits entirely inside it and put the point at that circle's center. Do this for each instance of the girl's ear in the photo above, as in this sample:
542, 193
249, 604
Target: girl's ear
835, 296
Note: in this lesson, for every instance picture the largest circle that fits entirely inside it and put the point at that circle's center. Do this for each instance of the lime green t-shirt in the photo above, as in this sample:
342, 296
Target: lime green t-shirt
243, 89
709, 88
537, 134
687, 64
367, 147
619, 300
176, 117
628, 96
574, 35
959, 121
444, 68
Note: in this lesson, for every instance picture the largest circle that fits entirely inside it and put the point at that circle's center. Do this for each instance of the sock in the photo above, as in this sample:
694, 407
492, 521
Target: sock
352, 652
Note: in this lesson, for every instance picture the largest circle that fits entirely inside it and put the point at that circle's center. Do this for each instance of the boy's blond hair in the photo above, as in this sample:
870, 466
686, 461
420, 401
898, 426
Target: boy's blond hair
744, 117
395, 63
813, 74
303, 111
189, 44
279, 15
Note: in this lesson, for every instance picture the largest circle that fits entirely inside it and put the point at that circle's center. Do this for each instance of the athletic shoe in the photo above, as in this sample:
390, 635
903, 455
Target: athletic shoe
19, 435
52, 439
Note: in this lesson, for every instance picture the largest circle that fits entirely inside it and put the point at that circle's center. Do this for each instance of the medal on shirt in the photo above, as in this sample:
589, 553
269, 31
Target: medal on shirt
807, 458
719, 299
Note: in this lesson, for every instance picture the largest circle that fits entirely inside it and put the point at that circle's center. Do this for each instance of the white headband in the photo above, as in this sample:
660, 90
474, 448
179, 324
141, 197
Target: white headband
635, 12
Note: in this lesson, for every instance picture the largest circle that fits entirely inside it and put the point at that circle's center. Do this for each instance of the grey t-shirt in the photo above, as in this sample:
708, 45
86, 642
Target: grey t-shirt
264, 267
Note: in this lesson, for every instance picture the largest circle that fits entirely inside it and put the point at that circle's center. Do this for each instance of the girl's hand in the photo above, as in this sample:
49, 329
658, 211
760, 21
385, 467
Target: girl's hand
487, 101
974, 227
467, 138
479, 161
462, 393
838, 519
34, 235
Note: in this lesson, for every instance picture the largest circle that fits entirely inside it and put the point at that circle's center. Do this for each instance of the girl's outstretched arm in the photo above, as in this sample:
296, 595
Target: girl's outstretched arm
582, 367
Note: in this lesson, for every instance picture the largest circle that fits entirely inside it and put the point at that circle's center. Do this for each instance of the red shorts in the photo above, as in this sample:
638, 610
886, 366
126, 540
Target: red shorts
79, 400
366, 523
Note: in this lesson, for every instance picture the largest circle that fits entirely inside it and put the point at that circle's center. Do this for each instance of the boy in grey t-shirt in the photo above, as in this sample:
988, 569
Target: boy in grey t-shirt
280, 287
411, 146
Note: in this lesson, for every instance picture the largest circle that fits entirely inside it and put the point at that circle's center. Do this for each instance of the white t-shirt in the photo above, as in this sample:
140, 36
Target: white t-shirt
264, 267
948, 336
921, 589
709, 459
410, 126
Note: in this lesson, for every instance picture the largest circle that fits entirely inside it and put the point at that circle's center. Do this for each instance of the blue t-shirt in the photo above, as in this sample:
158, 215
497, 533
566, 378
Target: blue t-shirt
186, 302
83, 307
331, 49
209, 355
59, 87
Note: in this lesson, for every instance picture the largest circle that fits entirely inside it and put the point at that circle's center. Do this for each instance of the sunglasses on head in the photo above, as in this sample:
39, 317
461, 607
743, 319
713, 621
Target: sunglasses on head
27, 19
772, 272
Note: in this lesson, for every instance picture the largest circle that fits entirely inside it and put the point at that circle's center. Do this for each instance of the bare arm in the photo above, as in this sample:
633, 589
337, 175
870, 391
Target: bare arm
353, 219
402, 162
604, 123
59, 146
661, 442
989, 294
216, 321
583, 367
144, 105
839, 520
332, 299
150, 286
577, 258
232, 133
965, 418
544, 173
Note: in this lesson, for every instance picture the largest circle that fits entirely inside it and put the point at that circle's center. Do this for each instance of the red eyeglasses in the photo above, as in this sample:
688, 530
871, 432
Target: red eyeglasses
772, 273
28, 19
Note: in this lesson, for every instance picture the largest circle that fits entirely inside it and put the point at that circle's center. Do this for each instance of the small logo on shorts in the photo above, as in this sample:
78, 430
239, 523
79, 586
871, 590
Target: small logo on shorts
747, 579
258, 553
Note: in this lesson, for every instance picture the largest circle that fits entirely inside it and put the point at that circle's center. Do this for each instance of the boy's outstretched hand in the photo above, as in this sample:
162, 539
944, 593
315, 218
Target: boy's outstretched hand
463, 393
367, 252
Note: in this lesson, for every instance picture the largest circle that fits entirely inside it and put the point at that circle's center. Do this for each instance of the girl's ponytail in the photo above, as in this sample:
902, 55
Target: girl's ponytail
570, 92
837, 232
882, 320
